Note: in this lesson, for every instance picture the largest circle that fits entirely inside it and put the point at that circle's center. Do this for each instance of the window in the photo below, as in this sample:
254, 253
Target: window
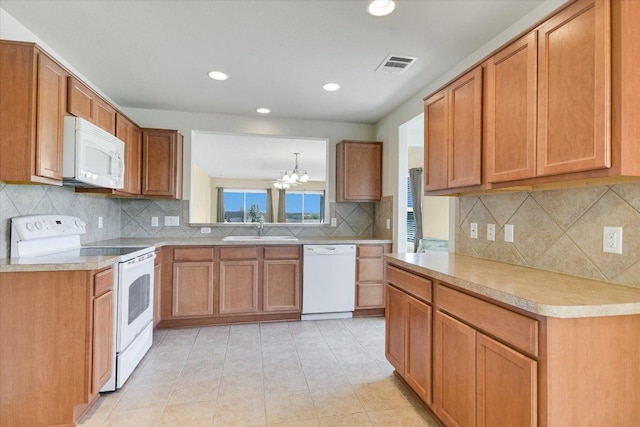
304, 207
245, 205
411, 221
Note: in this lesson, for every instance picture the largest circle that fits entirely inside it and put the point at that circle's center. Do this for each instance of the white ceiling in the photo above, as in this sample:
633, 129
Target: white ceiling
156, 54
257, 157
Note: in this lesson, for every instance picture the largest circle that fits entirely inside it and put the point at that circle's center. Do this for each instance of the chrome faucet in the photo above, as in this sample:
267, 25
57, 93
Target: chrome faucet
260, 227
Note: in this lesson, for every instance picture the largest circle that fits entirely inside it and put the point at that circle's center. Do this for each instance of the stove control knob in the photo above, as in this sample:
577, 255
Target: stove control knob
29, 226
39, 225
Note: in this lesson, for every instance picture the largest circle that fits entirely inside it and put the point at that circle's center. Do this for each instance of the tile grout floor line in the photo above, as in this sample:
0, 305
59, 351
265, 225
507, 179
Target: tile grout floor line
297, 373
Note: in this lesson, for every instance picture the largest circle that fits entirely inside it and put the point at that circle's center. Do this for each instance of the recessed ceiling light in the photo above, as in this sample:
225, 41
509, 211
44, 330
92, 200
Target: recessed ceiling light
381, 7
331, 87
218, 75
263, 110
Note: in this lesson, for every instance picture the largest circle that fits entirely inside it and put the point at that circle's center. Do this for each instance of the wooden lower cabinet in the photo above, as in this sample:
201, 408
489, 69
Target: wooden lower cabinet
229, 284
56, 352
238, 292
102, 331
454, 371
395, 328
157, 287
281, 285
193, 289
408, 340
370, 277
506, 386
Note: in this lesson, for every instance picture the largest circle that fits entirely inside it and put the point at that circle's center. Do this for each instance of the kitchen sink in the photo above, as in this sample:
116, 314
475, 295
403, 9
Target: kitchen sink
259, 239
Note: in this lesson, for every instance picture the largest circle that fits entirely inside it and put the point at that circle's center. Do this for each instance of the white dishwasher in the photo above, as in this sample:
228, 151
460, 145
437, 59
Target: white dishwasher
328, 281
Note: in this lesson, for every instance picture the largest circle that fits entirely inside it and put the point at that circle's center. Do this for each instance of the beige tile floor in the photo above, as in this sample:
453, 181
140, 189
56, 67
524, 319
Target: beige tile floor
309, 373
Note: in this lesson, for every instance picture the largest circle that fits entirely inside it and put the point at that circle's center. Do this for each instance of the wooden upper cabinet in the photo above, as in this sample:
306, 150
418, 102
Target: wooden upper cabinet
453, 134
574, 89
358, 171
49, 117
436, 141
131, 135
510, 111
32, 106
162, 163
85, 103
465, 130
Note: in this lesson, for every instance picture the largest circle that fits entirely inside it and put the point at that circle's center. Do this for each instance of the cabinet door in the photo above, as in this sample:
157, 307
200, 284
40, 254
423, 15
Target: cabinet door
454, 371
417, 362
105, 116
359, 171
81, 102
510, 111
192, 289
436, 141
506, 394
465, 130
160, 163
238, 287
574, 89
395, 327
281, 285
102, 352
51, 106
369, 295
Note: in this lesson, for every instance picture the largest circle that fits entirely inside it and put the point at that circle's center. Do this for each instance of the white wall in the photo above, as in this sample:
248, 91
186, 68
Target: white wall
201, 207
387, 129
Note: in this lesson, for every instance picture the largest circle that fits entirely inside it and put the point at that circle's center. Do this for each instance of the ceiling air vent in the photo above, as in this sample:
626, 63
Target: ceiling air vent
396, 64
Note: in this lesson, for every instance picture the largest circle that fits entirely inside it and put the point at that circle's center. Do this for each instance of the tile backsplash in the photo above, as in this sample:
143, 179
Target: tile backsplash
19, 200
353, 219
132, 217
557, 230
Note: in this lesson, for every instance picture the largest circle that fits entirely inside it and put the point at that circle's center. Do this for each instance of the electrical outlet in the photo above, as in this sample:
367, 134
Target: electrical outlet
491, 232
205, 230
612, 240
171, 221
334, 222
388, 223
508, 233
154, 221
100, 222
473, 230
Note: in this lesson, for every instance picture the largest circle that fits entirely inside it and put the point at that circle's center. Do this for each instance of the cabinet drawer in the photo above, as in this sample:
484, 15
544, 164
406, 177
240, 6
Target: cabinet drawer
516, 329
193, 254
370, 270
370, 251
239, 252
102, 282
370, 295
282, 252
415, 285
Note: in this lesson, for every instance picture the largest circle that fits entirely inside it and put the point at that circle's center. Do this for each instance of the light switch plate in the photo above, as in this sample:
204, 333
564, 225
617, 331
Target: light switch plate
334, 222
508, 233
154, 221
388, 223
473, 230
100, 222
491, 232
171, 221
205, 230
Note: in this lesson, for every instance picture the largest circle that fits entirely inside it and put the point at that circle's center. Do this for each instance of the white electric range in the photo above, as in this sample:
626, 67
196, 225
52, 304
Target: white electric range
55, 239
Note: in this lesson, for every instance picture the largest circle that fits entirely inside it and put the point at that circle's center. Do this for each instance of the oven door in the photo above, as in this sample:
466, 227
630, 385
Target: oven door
135, 299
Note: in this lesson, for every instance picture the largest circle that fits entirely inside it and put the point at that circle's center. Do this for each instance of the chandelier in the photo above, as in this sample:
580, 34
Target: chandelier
292, 177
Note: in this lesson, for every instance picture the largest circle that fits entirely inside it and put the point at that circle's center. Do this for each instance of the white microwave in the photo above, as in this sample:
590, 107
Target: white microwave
92, 157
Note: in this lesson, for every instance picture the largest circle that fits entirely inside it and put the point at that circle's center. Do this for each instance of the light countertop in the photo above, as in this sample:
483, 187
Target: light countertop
65, 263
536, 291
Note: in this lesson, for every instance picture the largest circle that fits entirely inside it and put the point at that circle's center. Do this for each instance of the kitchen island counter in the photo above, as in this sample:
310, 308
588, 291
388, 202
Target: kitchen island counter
536, 291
